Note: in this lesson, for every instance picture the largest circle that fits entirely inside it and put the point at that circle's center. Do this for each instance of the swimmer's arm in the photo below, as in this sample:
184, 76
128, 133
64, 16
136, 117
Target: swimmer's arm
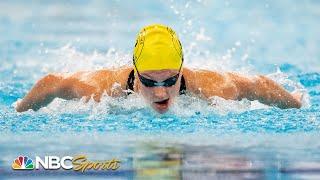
50, 87
76, 86
265, 91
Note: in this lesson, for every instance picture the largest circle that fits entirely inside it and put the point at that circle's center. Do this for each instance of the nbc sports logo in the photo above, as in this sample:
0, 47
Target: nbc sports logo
77, 163
23, 163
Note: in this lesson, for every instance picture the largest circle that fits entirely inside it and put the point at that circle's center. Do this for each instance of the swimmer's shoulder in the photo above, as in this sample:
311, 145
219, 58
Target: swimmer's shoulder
209, 83
105, 78
101, 79
192, 73
195, 77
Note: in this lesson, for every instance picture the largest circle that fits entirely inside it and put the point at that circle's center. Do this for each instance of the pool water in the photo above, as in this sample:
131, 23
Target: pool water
228, 140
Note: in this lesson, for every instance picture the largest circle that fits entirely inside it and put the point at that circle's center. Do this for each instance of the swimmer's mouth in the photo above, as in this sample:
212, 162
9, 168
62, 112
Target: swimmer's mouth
163, 102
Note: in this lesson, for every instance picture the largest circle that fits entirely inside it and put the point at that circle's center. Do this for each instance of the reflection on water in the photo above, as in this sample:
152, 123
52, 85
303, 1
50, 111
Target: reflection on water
153, 160
166, 163
189, 163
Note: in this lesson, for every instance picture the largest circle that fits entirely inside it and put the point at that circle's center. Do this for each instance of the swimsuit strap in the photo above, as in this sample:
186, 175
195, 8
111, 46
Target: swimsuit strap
183, 87
130, 84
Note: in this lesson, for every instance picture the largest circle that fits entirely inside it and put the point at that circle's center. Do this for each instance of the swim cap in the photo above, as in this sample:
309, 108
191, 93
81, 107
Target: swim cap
157, 47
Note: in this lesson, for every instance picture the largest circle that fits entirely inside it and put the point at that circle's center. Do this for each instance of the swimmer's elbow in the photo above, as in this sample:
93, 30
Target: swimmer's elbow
50, 84
43, 92
245, 86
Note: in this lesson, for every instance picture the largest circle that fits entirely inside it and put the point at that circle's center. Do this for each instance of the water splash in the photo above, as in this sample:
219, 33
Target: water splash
68, 59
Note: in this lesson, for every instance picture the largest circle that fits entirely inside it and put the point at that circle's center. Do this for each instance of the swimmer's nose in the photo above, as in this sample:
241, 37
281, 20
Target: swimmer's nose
160, 92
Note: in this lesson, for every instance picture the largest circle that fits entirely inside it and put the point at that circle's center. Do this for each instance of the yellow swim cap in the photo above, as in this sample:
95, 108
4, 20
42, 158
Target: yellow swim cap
157, 47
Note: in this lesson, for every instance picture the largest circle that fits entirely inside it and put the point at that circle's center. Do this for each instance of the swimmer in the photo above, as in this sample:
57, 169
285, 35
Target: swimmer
158, 75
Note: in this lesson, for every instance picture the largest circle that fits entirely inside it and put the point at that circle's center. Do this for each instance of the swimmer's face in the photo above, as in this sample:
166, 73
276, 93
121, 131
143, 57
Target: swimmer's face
160, 97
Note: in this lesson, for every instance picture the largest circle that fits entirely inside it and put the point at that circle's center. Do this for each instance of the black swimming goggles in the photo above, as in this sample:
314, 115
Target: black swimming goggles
151, 83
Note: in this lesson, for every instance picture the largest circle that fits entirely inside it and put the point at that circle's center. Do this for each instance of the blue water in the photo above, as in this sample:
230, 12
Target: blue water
229, 140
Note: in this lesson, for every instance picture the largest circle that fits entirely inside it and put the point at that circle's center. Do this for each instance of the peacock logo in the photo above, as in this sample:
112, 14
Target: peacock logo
23, 163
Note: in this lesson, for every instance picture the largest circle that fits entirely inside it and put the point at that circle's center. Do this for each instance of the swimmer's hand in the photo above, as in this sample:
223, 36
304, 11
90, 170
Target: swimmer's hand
298, 96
